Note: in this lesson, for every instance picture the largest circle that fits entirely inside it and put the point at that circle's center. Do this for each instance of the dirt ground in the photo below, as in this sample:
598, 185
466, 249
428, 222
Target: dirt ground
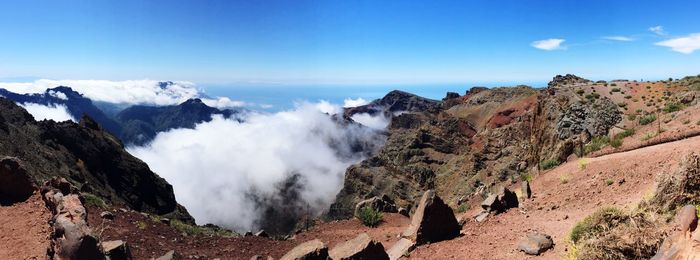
24, 229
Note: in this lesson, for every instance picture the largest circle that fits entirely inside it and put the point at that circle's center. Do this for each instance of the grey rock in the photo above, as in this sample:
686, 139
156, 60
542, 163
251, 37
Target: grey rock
310, 250
433, 221
535, 243
116, 250
170, 255
525, 190
107, 215
361, 247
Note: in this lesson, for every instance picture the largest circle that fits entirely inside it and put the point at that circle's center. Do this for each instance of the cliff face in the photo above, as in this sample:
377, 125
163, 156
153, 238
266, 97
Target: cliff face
86, 155
465, 145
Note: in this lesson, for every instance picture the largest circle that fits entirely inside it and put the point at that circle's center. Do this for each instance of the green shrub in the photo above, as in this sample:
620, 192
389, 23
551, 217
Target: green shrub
596, 144
673, 107
624, 134
370, 217
615, 90
628, 97
564, 179
200, 230
616, 142
645, 120
631, 117
549, 164
647, 136
580, 91
609, 182
526, 176
462, 208
600, 221
93, 201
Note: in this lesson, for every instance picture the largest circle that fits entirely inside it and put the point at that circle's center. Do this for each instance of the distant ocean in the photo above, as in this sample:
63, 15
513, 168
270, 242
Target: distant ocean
276, 97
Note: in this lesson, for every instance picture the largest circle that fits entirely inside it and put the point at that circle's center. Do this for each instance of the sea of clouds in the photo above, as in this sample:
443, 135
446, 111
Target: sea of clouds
257, 170
235, 173
129, 92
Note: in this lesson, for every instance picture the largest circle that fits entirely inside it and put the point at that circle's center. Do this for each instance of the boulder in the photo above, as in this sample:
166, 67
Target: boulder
116, 250
261, 233
15, 184
684, 240
525, 190
361, 247
401, 248
481, 216
383, 204
107, 215
165, 221
170, 255
403, 211
259, 257
501, 201
535, 243
310, 250
433, 221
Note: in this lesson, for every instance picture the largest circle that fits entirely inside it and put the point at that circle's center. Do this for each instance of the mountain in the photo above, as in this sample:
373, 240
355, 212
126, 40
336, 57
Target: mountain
395, 101
133, 125
88, 157
140, 124
76, 103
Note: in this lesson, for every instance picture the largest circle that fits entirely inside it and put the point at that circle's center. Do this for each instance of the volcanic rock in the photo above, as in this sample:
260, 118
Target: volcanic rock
535, 243
383, 204
310, 250
107, 215
170, 255
400, 248
15, 184
501, 201
361, 247
525, 190
684, 240
116, 250
433, 221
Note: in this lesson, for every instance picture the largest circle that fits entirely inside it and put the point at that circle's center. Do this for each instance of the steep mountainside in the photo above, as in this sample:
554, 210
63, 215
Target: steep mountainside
90, 158
465, 145
76, 103
141, 123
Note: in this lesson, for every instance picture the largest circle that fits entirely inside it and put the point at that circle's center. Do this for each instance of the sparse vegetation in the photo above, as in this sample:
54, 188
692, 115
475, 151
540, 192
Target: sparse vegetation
525, 176
564, 179
673, 107
616, 142
583, 163
141, 225
596, 144
549, 164
624, 134
462, 208
615, 90
647, 136
609, 182
600, 221
93, 201
370, 217
201, 230
645, 120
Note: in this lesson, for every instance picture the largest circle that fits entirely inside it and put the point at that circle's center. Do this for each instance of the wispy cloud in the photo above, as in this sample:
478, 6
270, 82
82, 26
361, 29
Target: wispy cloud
54, 112
686, 45
619, 38
549, 44
659, 30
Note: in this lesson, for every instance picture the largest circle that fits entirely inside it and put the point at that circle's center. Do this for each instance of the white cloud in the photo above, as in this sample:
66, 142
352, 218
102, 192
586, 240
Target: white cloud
659, 30
549, 44
328, 108
619, 38
349, 102
265, 106
378, 122
686, 45
55, 112
228, 172
148, 92
59, 95
222, 102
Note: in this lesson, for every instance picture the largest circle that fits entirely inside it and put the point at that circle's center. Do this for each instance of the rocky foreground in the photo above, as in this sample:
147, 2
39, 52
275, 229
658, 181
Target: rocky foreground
580, 169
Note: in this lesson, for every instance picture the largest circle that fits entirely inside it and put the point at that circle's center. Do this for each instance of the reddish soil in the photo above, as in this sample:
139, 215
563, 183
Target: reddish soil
25, 230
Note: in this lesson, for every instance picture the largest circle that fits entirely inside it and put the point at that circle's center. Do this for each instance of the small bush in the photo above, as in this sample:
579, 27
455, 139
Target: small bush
580, 91
462, 208
609, 182
370, 217
645, 120
628, 97
596, 144
624, 134
600, 221
200, 230
615, 90
564, 179
93, 201
616, 142
631, 117
673, 107
647, 136
549, 164
526, 176
583, 163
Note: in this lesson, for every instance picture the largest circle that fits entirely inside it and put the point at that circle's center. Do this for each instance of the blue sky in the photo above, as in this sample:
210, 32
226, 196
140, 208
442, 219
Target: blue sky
347, 42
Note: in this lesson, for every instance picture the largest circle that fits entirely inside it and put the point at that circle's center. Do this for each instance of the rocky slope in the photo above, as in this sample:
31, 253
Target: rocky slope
88, 157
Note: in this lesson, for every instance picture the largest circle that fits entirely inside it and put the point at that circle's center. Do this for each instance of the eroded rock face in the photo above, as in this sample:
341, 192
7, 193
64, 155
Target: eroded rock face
15, 183
361, 247
568, 79
500, 201
595, 120
383, 204
310, 250
684, 240
433, 221
535, 243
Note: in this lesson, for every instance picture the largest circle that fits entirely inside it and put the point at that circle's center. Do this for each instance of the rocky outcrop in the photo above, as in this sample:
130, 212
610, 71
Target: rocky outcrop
535, 243
15, 183
500, 201
361, 247
383, 204
396, 101
525, 190
401, 248
568, 79
72, 238
595, 120
684, 240
310, 250
433, 221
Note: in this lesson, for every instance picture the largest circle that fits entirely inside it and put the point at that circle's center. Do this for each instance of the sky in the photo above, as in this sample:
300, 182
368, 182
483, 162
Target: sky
334, 42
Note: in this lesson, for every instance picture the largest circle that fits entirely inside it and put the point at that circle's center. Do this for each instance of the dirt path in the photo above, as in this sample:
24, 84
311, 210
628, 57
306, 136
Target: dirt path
562, 197
24, 230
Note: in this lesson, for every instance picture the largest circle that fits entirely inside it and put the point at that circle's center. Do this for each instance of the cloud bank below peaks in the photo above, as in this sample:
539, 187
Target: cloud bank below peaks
266, 171
54, 112
142, 92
